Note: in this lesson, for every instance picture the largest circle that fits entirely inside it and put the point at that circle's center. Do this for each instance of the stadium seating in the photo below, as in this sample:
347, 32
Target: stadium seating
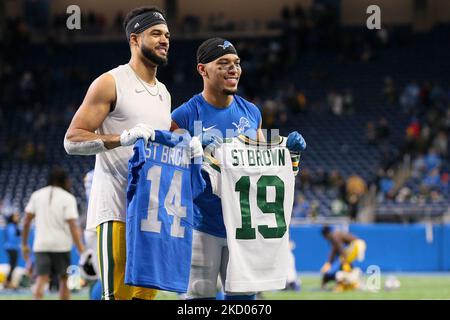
334, 141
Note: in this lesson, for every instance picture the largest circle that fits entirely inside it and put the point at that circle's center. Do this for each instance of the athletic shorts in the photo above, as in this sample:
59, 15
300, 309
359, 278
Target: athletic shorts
112, 259
52, 263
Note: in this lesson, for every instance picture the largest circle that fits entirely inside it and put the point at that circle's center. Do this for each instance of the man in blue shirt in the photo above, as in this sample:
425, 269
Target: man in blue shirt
217, 112
12, 245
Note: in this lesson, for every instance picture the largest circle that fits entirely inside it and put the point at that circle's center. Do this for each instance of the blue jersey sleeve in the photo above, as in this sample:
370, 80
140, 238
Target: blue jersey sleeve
171, 139
256, 112
184, 115
134, 165
197, 182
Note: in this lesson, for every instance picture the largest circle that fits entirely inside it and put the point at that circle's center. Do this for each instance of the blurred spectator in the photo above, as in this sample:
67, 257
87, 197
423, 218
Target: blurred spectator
413, 129
320, 178
389, 90
445, 184
348, 102
410, 97
367, 53
295, 100
432, 179
27, 87
440, 143
387, 184
432, 160
446, 122
437, 95
41, 121
28, 152
435, 196
424, 94
269, 113
338, 207
305, 179
383, 36
12, 245
404, 195
418, 166
315, 209
40, 156
356, 185
383, 130
335, 102
335, 179
301, 101
355, 188
301, 207
371, 134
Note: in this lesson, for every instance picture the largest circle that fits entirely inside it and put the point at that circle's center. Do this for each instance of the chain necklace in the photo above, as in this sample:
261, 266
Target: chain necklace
143, 84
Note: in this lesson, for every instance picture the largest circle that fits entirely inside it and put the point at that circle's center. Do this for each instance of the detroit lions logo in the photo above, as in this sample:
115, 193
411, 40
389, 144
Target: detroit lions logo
243, 123
225, 45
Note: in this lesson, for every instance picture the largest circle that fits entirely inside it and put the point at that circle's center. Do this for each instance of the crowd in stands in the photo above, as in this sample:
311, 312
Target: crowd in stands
426, 143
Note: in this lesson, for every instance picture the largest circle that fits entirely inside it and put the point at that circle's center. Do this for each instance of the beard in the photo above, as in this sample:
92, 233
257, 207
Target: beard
153, 57
229, 92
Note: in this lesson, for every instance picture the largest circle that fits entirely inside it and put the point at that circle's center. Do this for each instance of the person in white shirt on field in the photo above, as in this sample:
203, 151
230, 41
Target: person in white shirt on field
56, 229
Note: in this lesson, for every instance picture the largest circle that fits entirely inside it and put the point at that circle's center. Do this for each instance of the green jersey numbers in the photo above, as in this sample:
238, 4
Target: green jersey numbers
256, 198
247, 231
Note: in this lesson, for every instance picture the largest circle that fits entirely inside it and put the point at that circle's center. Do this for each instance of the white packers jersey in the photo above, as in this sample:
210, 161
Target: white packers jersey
255, 182
134, 104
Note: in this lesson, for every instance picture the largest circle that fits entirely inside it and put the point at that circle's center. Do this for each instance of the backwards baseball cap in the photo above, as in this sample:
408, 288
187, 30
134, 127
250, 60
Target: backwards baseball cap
144, 21
214, 48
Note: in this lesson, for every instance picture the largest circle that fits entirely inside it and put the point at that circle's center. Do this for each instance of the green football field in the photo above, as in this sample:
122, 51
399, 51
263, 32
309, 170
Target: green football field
412, 287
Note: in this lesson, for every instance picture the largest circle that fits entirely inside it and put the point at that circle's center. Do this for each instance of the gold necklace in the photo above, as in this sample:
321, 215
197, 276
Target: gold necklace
143, 84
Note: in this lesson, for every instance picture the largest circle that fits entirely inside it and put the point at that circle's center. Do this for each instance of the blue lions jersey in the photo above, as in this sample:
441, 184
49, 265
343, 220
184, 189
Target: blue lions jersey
162, 183
199, 117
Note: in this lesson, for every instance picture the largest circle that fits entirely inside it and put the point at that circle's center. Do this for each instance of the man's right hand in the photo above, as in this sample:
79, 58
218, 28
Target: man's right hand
325, 268
26, 252
129, 137
211, 141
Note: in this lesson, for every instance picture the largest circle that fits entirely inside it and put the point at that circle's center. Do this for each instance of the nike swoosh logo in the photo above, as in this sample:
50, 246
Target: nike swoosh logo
206, 129
138, 91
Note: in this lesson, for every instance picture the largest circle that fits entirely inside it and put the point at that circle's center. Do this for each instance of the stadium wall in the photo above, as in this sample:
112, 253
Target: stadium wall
391, 247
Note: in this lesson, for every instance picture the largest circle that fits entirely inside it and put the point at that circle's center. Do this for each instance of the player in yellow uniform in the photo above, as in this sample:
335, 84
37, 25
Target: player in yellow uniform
121, 106
346, 249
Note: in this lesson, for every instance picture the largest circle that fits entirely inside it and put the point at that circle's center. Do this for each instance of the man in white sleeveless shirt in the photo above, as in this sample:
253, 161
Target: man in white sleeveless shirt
122, 105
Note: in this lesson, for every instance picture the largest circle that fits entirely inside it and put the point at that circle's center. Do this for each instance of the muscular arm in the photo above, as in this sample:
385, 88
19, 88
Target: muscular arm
90, 115
332, 254
174, 126
337, 248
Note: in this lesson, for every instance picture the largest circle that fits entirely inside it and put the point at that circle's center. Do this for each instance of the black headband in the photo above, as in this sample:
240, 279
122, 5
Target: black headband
143, 22
214, 48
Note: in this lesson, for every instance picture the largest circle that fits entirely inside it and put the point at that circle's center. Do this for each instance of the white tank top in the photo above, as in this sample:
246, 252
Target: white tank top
134, 104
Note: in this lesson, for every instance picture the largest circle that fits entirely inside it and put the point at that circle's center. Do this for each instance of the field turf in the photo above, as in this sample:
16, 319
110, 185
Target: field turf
417, 286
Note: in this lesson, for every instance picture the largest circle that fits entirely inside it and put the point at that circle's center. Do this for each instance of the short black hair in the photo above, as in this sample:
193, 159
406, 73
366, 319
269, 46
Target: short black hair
137, 11
326, 230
